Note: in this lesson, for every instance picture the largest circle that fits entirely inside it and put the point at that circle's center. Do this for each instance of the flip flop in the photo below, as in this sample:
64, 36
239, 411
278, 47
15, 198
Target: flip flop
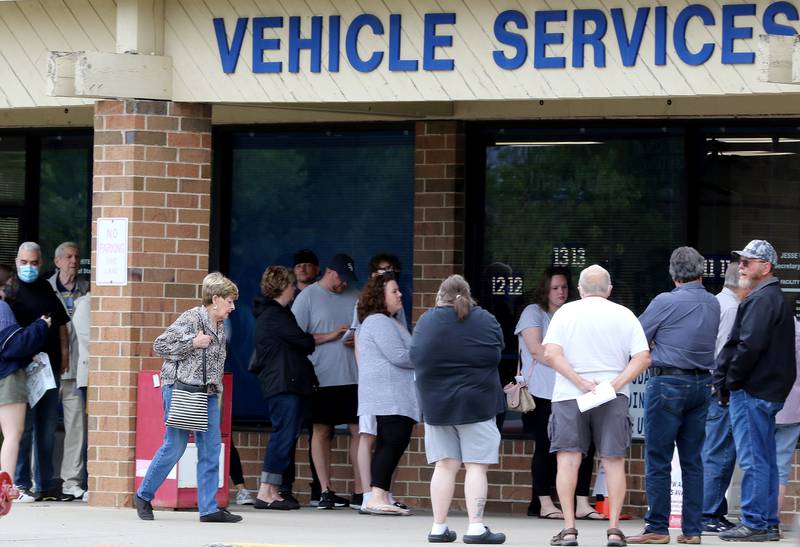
549, 516
388, 510
588, 516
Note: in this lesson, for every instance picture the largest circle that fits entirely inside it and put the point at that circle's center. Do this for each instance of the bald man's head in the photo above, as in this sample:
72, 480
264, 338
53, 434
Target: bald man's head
594, 281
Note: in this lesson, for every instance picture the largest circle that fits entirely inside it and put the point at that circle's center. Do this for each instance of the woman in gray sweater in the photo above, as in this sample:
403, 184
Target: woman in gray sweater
385, 384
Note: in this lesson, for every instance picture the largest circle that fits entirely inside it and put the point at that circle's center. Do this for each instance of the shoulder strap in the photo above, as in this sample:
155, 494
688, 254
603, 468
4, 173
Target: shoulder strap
203, 330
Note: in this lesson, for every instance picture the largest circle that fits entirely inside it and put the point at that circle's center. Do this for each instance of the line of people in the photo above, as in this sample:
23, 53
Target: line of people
331, 356
29, 432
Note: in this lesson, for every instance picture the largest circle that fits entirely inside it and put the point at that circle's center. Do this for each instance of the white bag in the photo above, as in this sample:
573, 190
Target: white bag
39, 378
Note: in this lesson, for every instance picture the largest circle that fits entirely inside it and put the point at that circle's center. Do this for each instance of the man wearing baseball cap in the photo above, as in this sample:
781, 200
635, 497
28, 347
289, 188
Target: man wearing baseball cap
325, 309
756, 371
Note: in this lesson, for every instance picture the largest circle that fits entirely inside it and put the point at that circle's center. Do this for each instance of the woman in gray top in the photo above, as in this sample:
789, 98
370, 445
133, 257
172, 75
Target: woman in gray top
385, 384
196, 340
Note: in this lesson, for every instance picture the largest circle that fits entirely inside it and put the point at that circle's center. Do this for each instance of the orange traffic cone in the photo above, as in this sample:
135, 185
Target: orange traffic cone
602, 507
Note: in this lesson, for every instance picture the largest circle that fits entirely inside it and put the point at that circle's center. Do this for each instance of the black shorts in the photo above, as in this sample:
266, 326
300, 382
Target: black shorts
335, 405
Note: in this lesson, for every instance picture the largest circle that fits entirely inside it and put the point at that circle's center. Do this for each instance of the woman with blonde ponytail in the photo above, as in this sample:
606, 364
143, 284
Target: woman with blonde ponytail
455, 350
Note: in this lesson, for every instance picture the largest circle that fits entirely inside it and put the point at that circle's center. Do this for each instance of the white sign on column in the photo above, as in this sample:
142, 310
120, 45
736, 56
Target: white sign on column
112, 251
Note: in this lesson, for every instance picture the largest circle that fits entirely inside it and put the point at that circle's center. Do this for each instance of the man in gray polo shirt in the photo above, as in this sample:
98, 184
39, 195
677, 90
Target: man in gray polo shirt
325, 309
681, 325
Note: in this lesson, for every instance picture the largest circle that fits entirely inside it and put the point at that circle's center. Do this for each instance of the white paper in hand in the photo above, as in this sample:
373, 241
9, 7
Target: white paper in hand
603, 393
39, 378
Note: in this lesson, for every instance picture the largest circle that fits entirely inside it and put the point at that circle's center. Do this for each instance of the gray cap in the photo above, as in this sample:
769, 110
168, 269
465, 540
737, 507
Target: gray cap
759, 249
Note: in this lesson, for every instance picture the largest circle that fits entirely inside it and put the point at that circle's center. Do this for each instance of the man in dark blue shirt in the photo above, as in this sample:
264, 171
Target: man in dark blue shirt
681, 327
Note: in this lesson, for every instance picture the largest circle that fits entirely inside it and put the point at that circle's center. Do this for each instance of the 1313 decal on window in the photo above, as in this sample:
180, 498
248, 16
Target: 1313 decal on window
569, 257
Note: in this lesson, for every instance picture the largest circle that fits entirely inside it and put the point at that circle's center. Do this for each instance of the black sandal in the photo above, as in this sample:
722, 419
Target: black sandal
560, 538
621, 542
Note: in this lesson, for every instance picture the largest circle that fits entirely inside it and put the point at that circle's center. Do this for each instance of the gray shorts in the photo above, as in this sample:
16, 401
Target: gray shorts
609, 425
13, 388
469, 443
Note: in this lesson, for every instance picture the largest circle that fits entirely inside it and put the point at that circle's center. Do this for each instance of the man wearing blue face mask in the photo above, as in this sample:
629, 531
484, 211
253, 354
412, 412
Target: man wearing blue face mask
33, 299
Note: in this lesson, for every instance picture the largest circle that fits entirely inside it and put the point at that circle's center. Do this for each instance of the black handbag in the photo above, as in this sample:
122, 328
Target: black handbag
188, 407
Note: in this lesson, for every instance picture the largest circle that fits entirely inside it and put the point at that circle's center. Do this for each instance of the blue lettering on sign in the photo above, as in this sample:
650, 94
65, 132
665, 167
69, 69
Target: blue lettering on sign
230, 55
661, 36
779, 8
580, 38
431, 41
679, 38
374, 60
542, 39
334, 34
395, 62
515, 33
508, 38
629, 48
261, 44
730, 33
296, 43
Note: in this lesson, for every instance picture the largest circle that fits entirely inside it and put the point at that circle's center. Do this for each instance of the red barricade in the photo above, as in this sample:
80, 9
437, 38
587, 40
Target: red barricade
179, 491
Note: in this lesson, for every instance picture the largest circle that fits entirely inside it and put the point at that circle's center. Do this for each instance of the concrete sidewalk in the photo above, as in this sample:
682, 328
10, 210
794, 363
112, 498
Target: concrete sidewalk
77, 525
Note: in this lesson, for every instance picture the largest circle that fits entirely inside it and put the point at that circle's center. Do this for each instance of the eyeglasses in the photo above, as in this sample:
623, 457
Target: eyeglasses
745, 262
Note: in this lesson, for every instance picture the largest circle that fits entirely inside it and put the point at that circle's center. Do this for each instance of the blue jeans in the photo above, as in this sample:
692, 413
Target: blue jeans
286, 415
675, 410
719, 459
40, 432
208, 446
786, 436
753, 422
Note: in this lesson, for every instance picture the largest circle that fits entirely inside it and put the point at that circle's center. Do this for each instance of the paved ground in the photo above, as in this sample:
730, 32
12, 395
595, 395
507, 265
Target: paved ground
75, 524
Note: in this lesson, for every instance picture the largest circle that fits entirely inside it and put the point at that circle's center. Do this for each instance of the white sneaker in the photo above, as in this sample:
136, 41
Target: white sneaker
25, 496
75, 491
85, 497
244, 497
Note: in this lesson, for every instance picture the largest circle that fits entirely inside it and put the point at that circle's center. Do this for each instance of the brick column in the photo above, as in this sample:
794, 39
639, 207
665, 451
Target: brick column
438, 209
152, 165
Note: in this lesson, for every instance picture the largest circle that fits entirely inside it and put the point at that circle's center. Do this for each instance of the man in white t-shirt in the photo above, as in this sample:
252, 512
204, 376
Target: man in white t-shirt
589, 342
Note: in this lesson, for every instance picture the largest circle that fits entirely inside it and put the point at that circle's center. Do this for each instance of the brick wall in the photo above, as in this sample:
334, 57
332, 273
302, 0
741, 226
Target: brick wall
509, 482
438, 209
152, 165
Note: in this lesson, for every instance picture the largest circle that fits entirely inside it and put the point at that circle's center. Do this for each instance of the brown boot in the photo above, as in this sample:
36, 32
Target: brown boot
649, 537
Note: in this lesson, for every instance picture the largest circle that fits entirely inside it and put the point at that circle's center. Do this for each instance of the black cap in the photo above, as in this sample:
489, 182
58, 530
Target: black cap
305, 256
343, 265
